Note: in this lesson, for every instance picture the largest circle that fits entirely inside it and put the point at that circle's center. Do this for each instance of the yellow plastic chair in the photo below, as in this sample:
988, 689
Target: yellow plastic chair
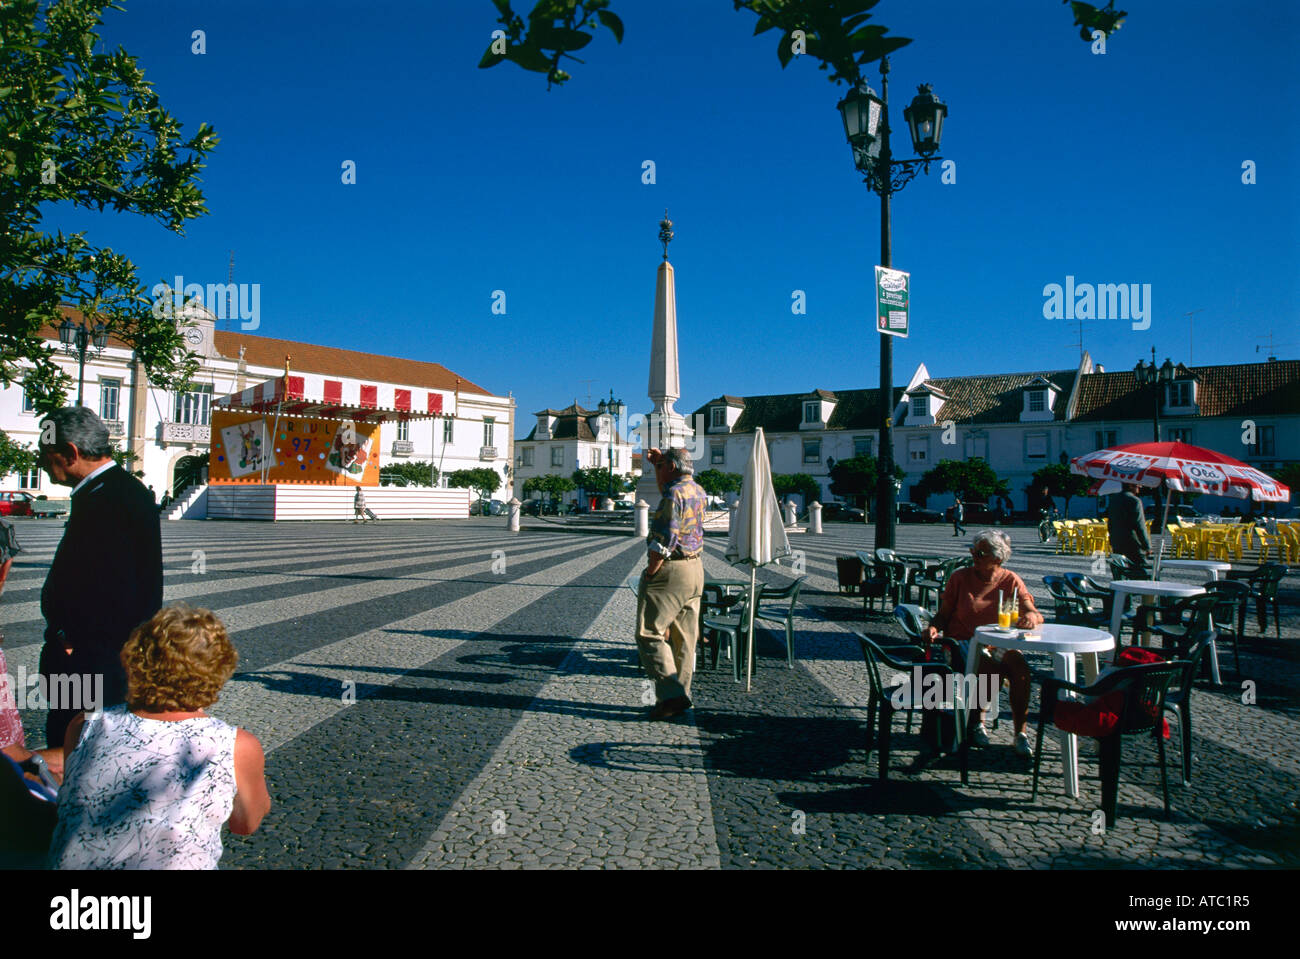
1062, 538
1269, 541
1291, 535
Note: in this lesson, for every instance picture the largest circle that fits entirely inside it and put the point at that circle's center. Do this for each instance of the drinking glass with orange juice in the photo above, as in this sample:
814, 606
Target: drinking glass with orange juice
1005, 613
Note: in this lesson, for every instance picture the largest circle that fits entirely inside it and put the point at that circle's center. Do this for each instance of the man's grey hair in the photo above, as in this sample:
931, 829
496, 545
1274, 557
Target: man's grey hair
79, 427
998, 541
680, 460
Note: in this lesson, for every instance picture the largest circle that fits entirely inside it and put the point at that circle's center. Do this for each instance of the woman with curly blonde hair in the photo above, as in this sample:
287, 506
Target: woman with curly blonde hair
148, 784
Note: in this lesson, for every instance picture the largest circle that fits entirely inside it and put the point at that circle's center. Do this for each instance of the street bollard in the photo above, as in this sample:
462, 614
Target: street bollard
815, 512
731, 516
642, 519
512, 515
789, 513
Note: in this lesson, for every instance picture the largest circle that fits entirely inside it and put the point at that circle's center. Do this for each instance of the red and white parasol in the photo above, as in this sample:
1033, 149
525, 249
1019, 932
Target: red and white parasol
1180, 467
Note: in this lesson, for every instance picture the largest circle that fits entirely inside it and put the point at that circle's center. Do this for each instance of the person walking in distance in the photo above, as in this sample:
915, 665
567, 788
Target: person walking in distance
958, 514
1127, 524
668, 596
359, 507
106, 575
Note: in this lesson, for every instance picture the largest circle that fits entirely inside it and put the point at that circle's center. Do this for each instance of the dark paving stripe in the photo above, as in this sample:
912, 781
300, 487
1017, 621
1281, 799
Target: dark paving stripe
370, 786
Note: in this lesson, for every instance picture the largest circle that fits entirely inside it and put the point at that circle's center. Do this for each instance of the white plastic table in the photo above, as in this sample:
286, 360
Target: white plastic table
1064, 643
1214, 567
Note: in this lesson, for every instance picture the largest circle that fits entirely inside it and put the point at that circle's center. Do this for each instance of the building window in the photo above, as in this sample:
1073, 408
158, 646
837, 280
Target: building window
1263, 445
1037, 401
403, 429
448, 430
1184, 436
718, 454
718, 418
595, 457
1036, 446
613, 462
1105, 438
489, 430
557, 455
812, 451
29, 404
1180, 393
527, 454
812, 412
918, 450
920, 407
976, 447
193, 407
862, 446
31, 479
109, 391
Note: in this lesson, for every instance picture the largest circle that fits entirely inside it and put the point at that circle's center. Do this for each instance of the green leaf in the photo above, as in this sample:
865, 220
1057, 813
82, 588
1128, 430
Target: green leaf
611, 23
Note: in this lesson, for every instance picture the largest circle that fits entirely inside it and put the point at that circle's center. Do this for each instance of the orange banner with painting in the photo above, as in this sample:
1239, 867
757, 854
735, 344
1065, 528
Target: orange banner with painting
257, 448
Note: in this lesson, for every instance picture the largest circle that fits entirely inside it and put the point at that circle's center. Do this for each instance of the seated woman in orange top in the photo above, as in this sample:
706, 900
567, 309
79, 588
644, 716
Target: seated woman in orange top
970, 599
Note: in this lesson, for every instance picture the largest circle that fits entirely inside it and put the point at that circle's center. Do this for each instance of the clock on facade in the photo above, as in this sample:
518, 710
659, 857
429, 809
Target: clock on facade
194, 336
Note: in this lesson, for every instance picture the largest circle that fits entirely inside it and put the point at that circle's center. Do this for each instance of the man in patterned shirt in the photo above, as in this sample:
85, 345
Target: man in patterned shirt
668, 600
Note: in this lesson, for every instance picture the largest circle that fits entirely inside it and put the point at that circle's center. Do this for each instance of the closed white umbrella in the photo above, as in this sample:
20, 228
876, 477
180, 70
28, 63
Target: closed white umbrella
757, 535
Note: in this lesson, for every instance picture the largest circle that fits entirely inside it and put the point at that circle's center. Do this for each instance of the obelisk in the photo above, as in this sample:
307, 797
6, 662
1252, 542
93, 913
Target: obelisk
664, 427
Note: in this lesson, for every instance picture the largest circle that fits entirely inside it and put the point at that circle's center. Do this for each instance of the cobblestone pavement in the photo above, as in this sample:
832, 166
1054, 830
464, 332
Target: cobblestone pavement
450, 695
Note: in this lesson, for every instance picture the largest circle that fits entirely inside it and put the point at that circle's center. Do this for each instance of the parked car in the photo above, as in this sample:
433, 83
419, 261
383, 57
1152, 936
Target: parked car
911, 513
494, 507
16, 503
844, 512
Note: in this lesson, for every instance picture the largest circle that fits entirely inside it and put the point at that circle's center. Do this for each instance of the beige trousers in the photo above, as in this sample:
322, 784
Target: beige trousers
668, 625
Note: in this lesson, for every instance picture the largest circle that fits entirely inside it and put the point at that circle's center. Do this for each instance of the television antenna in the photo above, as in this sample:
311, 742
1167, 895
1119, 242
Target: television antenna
1189, 316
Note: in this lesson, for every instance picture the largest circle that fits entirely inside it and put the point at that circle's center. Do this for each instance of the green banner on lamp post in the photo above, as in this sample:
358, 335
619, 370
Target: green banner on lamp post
891, 301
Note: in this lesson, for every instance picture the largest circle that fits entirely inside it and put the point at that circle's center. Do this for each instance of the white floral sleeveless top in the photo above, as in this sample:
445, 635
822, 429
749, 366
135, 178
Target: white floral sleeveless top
145, 794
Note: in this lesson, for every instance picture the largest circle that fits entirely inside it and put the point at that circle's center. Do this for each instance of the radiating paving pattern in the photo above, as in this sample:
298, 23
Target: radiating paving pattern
450, 695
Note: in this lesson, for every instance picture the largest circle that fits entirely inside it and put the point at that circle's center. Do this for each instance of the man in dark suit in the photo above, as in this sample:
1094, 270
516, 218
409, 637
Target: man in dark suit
1127, 524
106, 576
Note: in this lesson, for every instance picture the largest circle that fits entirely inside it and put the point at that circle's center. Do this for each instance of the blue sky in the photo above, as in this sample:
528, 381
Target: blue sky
1116, 168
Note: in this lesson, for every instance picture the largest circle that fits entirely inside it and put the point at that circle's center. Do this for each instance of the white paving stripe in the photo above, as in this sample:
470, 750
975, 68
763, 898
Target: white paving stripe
636, 793
256, 700
215, 585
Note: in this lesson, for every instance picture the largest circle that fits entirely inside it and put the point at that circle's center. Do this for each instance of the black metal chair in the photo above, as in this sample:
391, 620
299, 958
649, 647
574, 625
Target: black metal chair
935, 578
1130, 701
913, 619
850, 573
1263, 582
1179, 698
877, 586
1068, 606
1230, 614
732, 626
1181, 620
1089, 589
1121, 567
784, 617
904, 697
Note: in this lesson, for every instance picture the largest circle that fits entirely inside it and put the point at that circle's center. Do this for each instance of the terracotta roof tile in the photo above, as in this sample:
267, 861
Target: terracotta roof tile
1241, 390
994, 399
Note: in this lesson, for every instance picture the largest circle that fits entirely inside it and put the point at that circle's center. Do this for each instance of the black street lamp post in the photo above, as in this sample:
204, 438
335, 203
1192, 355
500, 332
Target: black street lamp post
76, 339
1148, 374
866, 123
615, 409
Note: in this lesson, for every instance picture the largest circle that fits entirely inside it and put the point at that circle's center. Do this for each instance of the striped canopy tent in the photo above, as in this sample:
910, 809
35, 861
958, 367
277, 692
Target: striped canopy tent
287, 396
1180, 467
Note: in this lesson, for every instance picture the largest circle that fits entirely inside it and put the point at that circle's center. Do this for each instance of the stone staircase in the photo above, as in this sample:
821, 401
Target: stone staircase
192, 504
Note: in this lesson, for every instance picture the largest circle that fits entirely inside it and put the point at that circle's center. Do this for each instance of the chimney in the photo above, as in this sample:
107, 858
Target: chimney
1100, 368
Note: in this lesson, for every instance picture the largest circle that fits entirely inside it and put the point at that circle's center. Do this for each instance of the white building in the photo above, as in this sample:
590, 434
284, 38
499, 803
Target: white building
1017, 422
570, 439
163, 429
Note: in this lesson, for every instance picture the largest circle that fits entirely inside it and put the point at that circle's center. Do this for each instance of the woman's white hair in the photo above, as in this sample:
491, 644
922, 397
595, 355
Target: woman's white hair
997, 540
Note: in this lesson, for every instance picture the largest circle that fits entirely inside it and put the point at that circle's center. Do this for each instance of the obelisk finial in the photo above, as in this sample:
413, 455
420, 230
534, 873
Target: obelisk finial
665, 232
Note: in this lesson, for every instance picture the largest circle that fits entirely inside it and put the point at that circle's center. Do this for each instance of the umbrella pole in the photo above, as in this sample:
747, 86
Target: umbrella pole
749, 656
1163, 520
